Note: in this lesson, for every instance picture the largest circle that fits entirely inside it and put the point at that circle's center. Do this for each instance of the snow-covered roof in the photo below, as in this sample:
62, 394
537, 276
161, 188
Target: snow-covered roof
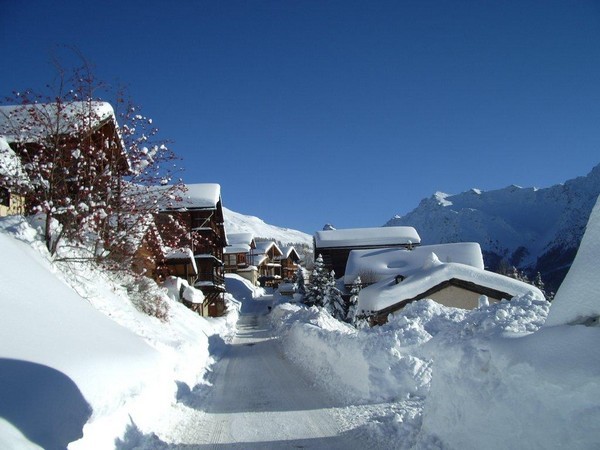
237, 248
379, 236
182, 254
389, 262
30, 123
10, 163
258, 259
287, 251
265, 246
194, 196
387, 293
239, 238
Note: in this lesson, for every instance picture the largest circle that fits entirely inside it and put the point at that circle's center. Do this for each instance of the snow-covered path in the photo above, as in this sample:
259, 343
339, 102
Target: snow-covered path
257, 399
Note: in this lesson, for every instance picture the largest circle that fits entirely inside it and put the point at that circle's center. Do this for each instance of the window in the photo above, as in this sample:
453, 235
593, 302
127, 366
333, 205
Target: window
4, 197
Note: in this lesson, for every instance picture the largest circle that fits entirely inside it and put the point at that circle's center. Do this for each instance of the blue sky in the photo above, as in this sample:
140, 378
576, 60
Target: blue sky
346, 112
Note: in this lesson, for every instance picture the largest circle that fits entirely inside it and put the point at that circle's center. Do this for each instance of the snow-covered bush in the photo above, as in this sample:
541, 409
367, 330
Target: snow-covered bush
148, 297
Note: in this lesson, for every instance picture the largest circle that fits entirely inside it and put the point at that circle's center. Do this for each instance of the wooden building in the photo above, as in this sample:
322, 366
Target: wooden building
290, 261
65, 130
335, 245
238, 256
181, 263
199, 210
13, 181
267, 260
11, 202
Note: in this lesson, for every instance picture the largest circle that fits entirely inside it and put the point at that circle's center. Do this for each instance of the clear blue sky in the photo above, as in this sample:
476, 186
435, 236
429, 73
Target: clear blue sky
347, 112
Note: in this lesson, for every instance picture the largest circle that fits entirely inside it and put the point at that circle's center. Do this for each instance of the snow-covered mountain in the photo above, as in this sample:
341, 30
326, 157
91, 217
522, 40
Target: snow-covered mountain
240, 223
533, 229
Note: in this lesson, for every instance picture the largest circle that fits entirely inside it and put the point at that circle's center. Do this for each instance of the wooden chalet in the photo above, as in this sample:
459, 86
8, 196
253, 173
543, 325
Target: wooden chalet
238, 256
267, 259
66, 128
290, 261
147, 253
181, 263
12, 175
335, 245
199, 210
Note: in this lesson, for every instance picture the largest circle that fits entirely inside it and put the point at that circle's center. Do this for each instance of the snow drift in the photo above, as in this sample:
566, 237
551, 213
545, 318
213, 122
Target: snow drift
77, 359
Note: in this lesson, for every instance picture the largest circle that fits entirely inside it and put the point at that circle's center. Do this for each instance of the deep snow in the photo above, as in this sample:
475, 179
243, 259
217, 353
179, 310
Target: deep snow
432, 377
76, 353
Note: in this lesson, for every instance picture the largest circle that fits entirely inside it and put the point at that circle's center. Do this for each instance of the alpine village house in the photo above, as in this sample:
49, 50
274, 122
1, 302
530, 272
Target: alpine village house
198, 261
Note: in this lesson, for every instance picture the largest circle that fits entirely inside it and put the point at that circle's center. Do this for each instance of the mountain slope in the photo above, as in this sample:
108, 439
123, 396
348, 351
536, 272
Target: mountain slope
533, 229
240, 223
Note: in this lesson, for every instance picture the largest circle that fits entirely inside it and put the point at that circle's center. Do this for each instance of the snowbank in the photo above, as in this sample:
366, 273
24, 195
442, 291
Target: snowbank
536, 391
485, 378
77, 358
577, 299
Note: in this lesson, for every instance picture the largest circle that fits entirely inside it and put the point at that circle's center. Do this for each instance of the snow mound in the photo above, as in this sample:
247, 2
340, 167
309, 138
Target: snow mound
577, 299
77, 358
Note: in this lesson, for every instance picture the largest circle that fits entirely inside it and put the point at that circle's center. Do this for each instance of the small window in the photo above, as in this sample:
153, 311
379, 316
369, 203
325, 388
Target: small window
4, 197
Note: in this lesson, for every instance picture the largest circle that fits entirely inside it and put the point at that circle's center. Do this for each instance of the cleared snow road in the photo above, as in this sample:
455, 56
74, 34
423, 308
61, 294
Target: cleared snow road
258, 399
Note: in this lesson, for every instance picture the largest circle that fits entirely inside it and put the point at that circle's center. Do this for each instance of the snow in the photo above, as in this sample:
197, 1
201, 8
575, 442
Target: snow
180, 253
264, 247
494, 377
577, 299
177, 286
240, 238
192, 196
386, 293
380, 236
79, 361
525, 222
240, 223
287, 251
18, 118
10, 164
389, 262
238, 248
442, 377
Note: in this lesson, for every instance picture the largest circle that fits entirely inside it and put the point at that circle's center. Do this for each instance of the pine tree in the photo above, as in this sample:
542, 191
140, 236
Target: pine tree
300, 283
316, 289
333, 301
352, 308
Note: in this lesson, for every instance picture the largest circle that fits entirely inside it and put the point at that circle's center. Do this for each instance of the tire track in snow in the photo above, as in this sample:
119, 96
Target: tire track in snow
259, 400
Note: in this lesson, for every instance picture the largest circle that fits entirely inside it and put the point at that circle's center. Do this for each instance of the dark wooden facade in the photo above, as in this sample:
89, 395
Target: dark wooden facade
102, 137
205, 236
289, 263
239, 255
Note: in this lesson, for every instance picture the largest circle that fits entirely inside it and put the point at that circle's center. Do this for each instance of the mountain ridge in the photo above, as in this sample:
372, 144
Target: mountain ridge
240, 223
533, 229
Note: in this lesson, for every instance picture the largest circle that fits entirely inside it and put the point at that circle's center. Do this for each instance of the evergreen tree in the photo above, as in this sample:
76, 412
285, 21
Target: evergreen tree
352, 308
300, 283
333, 301
316, 289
